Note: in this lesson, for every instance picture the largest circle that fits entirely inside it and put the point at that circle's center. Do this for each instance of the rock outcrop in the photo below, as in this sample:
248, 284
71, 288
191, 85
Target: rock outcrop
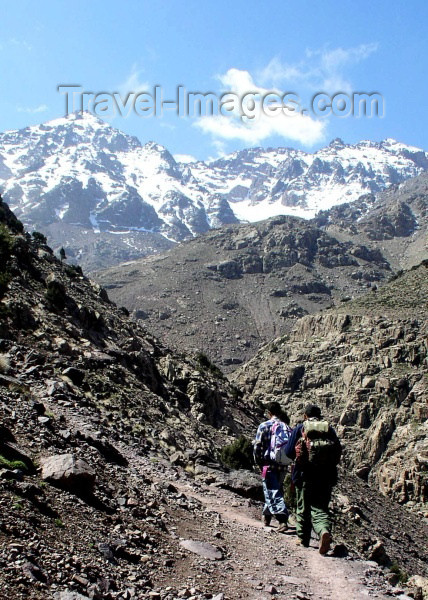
366, 365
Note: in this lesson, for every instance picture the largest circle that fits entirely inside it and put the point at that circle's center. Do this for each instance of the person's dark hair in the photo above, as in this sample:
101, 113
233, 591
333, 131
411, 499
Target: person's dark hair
275, 409
313, 411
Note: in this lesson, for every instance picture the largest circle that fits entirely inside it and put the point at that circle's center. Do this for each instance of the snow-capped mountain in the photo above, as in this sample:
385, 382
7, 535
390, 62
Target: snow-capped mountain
80, 171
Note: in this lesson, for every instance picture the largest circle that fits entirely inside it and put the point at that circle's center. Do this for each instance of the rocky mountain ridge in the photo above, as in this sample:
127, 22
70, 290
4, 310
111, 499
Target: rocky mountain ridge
84, 183
232, 289
394, 221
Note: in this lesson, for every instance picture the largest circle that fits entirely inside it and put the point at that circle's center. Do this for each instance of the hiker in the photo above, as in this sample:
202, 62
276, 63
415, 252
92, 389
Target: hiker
316, 450
269, 456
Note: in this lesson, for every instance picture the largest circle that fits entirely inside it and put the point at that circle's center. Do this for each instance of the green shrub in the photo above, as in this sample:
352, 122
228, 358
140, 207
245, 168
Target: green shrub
402, 575
73, 270
59, 523
205, 363
239, 454
39, 238
6, 243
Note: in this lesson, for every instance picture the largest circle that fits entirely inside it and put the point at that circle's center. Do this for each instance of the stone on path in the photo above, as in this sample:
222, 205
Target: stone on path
70, 596
204, 549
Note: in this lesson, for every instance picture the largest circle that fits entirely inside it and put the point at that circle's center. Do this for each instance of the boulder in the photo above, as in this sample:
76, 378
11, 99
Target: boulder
69, 472
242, 482
67, 595
418, 585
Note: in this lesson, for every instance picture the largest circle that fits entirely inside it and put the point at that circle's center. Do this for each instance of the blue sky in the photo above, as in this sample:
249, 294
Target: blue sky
303, 48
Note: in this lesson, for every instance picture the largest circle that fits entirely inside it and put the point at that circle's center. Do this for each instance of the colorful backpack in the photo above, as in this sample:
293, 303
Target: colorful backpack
279, 435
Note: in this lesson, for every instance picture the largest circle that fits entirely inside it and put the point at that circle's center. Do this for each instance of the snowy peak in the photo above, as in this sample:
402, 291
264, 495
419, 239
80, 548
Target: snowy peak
81, 171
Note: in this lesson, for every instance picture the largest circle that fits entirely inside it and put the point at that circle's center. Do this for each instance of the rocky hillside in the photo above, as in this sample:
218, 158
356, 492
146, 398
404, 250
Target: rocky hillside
230, 290
108, 198
84, 390
75, 341
366, 365
249, 283
110, 484
394, 221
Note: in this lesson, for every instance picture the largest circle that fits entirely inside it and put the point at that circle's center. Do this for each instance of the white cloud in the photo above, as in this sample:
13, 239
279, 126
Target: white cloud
333, 60
300, 128
133, 83
319, 70
169, 126
21, 43
277, 73
293, 126
323, 70
185, 158
32, 111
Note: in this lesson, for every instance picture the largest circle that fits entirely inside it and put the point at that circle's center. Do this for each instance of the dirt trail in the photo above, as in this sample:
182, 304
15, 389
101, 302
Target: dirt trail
261, 563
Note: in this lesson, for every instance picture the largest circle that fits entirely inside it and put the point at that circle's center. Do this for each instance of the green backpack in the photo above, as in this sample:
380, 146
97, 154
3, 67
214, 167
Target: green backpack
316, 448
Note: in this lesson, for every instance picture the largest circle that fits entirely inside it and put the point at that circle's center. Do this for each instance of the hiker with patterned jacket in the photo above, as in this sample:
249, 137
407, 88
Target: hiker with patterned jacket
316, 449
269, 456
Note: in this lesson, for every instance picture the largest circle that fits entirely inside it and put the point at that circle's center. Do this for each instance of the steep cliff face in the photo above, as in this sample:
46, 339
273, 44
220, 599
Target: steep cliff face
366, 366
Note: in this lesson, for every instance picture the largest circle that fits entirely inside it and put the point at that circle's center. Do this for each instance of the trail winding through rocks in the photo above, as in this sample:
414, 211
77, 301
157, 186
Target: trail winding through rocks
261, 563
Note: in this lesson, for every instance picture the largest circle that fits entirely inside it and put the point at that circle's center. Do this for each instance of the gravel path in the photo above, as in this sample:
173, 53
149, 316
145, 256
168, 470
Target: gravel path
260, 563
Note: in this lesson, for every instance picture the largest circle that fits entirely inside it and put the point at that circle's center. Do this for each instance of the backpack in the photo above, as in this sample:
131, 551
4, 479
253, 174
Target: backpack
316, 448
279, 435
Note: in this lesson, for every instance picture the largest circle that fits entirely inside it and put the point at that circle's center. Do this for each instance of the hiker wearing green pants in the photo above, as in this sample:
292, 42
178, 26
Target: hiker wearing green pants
316, 450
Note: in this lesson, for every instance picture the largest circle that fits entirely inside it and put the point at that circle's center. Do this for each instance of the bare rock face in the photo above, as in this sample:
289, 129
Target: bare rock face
67, 471
402, 471
366, 367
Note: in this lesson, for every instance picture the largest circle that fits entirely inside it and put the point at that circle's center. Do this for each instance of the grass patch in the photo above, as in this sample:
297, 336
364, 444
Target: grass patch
12, 464
59, 523
402, 575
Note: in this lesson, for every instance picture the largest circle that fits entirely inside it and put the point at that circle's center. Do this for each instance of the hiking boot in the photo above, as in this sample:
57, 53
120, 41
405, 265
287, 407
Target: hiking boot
291, 520
325, 542
304, 543
266, 519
